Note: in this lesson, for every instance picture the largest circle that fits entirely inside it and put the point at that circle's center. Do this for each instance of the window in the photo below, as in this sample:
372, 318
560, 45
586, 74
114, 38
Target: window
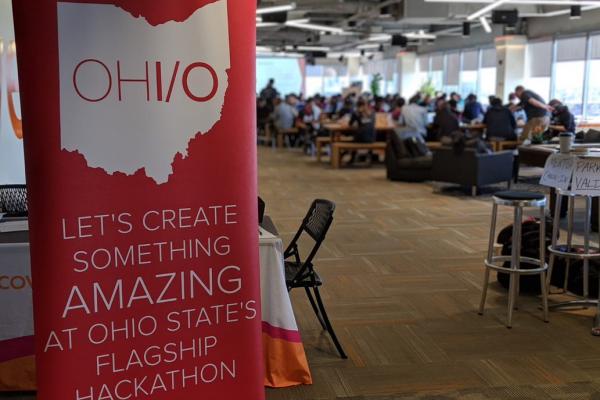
593, 100
469, 73
487, 75
452, 72
287, 72
314, 80
569, 73
539, 67
335, 79
437, 71
568, 85
422, 69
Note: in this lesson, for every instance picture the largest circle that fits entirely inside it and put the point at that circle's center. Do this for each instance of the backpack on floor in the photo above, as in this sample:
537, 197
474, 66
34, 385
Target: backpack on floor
530, 248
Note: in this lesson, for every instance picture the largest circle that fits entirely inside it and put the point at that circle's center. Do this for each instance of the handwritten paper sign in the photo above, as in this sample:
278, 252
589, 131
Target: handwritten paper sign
586, 177
558, 171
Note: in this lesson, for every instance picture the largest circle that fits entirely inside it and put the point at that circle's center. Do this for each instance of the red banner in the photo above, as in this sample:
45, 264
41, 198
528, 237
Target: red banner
141, 165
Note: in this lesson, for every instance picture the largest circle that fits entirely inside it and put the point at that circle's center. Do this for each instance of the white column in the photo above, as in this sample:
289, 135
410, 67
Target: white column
408, 84
510, 56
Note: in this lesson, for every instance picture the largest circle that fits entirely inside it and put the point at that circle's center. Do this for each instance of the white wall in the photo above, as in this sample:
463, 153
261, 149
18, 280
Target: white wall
12, 169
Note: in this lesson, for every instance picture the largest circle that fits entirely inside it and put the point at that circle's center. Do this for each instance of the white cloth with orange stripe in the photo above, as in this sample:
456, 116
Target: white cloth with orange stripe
285, 360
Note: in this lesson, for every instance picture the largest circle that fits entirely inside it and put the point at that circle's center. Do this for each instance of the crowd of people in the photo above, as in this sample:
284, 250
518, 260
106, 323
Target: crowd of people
525, 115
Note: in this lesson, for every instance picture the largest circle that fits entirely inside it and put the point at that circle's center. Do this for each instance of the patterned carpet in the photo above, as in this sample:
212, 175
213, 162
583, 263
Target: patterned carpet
403, 274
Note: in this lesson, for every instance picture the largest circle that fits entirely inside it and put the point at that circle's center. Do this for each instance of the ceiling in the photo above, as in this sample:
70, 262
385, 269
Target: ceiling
368, 23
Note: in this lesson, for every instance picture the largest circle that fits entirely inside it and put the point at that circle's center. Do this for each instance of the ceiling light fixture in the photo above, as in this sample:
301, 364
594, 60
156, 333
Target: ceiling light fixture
367, 46
308, 48
305, 25
419, 35
486, 9
379, 37
485, 24
266, 24
275, 9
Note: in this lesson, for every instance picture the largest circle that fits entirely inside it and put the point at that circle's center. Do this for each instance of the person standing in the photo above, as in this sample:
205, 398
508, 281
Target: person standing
269, 93
537, 111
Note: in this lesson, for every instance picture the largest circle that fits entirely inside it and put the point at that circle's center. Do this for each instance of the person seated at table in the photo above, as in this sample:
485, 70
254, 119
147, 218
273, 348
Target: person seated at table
364, 120
426, 102
456, 97
380, 106
473, 109
445, 122
500, 121
453, 104
333, 105
414, 116
309, 122
285, 113
347, 109
561, 116
263, 113
518, 112
397, 110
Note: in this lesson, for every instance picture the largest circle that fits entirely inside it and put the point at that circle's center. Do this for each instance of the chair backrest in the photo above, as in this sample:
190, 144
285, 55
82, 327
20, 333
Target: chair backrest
316, 223
261, 210
13, 200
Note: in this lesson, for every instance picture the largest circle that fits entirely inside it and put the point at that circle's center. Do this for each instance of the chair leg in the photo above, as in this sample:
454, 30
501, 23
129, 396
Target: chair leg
337, 344
486, 282
315, 308
490, 256
544, 295
511, 300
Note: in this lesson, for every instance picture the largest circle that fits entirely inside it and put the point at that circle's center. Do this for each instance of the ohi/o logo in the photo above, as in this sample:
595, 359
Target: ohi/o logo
133, 95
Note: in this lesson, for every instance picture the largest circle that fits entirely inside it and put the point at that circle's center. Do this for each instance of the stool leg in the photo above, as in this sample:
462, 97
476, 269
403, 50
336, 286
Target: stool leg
570, 219
514, 264
586, 241
555, 231
543, 287
490, 256
518, 277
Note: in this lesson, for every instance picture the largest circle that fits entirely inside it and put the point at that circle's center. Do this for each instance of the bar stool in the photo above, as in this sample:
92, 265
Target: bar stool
569, 251
517, 200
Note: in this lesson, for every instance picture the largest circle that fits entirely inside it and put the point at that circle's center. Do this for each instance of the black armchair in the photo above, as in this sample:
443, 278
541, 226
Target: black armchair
407, 159
472, 169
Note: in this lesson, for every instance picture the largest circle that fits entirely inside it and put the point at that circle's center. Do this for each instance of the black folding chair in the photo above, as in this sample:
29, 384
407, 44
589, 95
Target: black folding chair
13, 200
301, 274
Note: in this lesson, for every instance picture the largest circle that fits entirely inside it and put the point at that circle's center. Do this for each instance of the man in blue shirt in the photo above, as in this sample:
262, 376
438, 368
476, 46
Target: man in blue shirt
473, 109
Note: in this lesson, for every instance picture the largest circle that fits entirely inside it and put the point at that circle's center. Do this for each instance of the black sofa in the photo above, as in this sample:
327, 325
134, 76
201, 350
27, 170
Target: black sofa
471, 169
407, 159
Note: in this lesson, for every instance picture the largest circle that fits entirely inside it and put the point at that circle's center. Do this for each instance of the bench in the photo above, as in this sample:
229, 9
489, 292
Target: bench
502, 145
282, 133
338, 147
320, 142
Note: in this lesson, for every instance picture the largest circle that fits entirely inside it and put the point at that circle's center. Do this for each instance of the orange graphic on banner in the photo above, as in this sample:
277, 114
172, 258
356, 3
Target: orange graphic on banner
12, 88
